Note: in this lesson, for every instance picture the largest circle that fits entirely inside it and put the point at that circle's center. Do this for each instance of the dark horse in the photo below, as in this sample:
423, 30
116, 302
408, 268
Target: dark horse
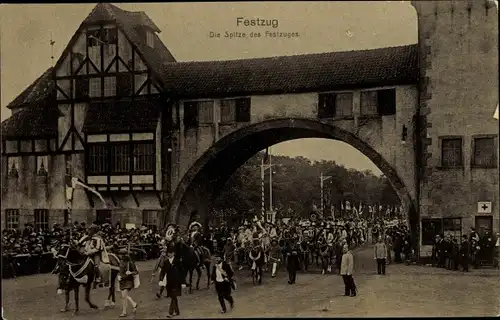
191, 260
77, 269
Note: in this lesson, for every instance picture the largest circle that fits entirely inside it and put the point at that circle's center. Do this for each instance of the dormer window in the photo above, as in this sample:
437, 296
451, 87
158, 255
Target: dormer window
150, 39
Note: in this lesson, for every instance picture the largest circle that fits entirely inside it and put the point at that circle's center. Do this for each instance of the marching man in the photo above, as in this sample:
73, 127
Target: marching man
94, 247
330, 239
274, 255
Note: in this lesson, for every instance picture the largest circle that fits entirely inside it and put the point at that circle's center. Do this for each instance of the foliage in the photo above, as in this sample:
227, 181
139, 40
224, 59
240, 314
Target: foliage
296, 187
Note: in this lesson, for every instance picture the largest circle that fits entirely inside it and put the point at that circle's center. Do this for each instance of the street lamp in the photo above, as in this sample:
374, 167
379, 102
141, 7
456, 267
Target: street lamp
322, 179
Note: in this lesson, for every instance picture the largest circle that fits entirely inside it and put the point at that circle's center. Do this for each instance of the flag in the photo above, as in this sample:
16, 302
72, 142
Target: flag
77, 182
495, 115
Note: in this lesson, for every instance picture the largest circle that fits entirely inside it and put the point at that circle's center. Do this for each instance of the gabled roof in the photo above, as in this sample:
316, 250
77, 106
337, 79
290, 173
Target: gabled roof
39, 122
289, 74
123, 116
40, 89
131, 23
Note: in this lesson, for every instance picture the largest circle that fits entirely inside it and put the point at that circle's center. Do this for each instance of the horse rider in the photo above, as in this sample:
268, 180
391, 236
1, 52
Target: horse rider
95, 248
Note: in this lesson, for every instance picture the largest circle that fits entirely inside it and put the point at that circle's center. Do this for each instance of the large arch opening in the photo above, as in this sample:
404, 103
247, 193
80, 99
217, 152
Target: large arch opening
203, 182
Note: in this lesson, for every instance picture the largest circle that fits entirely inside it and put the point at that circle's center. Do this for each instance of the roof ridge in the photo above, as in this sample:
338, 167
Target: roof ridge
290, 56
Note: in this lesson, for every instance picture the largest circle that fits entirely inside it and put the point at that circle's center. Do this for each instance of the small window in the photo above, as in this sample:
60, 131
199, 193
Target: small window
95, 87
190, 114
110, 36
12, 218
386, 102
150, 218
13, 165
94, 38
124, 85
326, 105
343, 104
368, 103
243, 110
97, 159
110, 86
42, 219
451, 153
150, 39
453, 227
430, 229
42, 165
144, 157
484, 153
120, 158
228, 111
206, 112
81, 88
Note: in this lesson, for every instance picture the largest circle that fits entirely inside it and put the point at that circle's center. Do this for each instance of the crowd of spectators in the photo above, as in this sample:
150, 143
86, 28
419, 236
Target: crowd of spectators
27, 251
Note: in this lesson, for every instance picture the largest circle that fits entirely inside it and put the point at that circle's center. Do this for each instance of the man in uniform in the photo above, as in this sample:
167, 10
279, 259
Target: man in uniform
292, 261
94, 247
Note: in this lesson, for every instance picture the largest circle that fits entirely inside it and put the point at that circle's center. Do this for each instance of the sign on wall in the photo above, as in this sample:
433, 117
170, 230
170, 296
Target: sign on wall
484, 207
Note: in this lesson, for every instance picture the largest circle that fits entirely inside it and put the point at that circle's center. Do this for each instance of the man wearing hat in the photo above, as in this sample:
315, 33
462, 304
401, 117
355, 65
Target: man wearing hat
95, 248
222, 276
464, 253
292, 260
171, 275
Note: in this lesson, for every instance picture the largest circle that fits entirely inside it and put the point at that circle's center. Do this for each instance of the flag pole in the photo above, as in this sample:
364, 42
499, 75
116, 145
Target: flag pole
262, 183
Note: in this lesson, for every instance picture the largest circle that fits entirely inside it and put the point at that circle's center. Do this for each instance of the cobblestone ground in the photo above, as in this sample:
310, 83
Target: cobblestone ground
404, 291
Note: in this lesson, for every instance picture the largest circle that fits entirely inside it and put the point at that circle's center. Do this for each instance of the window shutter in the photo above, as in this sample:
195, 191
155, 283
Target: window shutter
386, 102
331, 106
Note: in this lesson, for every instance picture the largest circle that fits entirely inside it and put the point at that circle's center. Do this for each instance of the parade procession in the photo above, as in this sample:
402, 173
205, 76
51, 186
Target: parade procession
257, 248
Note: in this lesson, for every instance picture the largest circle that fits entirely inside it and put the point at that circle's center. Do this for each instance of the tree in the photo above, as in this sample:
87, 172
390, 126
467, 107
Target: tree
296, 187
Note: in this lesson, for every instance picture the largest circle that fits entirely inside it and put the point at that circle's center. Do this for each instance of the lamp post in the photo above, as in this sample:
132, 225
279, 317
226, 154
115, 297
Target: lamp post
322, 179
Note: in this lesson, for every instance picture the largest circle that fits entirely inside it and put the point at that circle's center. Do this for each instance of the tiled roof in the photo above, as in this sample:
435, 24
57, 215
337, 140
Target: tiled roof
299, 73
40, 89
116, 116
32, 122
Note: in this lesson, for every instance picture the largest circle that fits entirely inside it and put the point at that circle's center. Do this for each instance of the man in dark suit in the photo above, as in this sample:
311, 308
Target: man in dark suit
464, 253
292, 261
222, 276
171, 273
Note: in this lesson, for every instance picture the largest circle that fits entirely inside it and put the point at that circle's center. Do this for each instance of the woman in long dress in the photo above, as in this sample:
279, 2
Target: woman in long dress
128, 270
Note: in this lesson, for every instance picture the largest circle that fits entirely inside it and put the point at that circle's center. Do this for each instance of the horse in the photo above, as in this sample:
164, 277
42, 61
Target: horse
191, 260
77, 269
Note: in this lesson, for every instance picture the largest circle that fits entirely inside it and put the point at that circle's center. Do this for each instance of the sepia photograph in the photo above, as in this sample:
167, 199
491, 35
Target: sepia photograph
250, 159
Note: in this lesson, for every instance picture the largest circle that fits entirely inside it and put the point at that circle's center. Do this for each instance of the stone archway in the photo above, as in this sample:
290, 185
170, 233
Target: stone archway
201, 183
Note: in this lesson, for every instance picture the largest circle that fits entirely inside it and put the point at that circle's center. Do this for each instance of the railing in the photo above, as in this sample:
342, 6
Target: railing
15, 265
